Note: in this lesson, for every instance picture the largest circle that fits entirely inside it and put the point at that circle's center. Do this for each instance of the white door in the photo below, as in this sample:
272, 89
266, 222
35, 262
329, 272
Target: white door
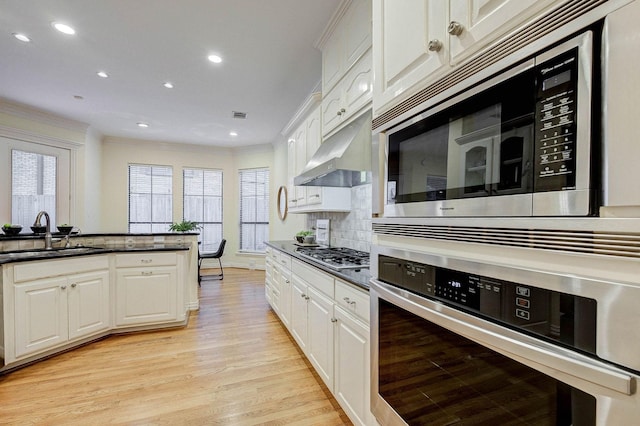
320, 344
146, 295
352, 367
41, 315
88, 298
482, 21
402, 33
299, 328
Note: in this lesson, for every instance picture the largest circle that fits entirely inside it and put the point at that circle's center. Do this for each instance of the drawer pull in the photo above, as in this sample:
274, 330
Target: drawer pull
147, 273
349, 301
146, 260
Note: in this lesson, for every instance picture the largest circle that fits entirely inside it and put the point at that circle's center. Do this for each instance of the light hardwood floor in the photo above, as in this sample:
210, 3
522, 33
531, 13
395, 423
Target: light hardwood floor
234, 364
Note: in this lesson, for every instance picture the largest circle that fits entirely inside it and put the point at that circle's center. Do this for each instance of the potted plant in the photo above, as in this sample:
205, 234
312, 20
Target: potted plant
184, 226
302, 234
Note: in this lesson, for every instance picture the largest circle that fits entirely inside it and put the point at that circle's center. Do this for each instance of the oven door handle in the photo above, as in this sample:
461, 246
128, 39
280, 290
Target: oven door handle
537, 353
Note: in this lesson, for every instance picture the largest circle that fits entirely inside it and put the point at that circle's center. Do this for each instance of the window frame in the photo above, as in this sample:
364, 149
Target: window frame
151, 222
258, 247
205, 246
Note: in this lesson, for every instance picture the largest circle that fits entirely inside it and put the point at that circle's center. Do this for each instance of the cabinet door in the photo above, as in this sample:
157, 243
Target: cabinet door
483, 21
356, 34
285, 297
300, 137
320, 344
299, 328
291, 171
332, 110
352, 360
41, 315
402, 32
314, 138
146, 295
358, 87
88, 298
332, 61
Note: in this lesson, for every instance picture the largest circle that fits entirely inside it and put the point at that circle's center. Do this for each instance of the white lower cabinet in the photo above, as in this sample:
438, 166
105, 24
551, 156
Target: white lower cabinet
329, 320
351, 371
50, 312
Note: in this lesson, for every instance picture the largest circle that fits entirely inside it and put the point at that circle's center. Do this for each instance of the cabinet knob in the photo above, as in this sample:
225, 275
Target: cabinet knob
286, 281
435, 45
64, 287
74, 285
307, 298
334, 320
303, 295
455, 28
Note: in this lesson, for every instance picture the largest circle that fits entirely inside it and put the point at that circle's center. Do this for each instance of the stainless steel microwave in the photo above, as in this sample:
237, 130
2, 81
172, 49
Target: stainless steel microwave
520, 143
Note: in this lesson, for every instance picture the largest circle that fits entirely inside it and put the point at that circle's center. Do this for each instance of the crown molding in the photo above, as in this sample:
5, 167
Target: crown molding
333, 23
41, 116
29, 136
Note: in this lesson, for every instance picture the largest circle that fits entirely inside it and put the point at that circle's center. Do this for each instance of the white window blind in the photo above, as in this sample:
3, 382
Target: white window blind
150, 198
254, 209
33, 187
202, 203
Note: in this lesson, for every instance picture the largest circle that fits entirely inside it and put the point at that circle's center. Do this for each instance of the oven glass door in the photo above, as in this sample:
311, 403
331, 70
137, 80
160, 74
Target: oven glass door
432, 376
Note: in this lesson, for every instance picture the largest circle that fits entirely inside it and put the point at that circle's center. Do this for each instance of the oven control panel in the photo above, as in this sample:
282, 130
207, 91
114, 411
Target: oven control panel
535, 310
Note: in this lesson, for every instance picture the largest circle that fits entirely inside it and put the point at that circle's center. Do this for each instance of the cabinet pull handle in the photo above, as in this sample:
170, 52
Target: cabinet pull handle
303, 295
64, 287
146, 260
147, 273
334, 320
315, 196
307, 298
286, 281
455, 28
73, 285
435, 45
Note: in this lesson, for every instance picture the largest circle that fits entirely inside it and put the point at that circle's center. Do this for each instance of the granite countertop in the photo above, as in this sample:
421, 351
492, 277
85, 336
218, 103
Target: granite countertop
56, 253
358, 277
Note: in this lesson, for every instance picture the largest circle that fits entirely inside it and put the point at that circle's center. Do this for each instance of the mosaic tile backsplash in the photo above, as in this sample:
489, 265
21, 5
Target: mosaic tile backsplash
353, 229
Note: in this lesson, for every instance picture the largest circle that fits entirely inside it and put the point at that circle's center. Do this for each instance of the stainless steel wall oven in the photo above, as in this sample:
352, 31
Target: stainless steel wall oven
456, 341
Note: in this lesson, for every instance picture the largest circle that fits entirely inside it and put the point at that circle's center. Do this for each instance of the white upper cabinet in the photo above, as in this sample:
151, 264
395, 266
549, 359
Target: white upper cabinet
410, 45
417, 42
475, 23
350, 39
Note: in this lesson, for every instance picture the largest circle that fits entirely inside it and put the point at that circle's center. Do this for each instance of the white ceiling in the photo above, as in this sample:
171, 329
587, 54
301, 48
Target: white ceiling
270, 64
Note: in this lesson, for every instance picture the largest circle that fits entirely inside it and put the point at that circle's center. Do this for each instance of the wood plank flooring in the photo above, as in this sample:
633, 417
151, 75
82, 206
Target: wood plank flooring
234, 364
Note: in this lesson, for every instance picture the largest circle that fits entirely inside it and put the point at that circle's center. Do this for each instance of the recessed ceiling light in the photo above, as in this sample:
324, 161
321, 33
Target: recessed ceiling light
102, 74
215, 59
143, 125
22, 37
232, 133
63, 28
168, 85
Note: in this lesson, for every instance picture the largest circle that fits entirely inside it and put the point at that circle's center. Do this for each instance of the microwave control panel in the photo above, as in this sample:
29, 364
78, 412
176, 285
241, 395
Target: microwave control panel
556, 123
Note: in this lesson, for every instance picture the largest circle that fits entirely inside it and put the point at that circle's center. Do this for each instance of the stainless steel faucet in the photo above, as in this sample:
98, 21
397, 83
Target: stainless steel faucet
47, 234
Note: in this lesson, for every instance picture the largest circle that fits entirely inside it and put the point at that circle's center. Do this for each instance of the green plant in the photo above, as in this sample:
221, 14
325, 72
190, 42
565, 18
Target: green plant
304, 233
184, 226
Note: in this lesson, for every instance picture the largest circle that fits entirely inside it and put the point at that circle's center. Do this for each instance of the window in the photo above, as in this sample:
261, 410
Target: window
33, 187
254, 209
150, 198
202, 203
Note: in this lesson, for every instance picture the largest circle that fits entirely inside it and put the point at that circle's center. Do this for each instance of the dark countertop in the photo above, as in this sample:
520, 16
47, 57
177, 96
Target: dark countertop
358, 277
56, 253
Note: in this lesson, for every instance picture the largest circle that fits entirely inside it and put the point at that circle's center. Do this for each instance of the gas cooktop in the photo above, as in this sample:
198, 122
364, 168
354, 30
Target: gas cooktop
336, 257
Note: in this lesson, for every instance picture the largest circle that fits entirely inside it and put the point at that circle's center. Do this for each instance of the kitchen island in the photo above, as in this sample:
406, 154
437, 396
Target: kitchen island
54, 300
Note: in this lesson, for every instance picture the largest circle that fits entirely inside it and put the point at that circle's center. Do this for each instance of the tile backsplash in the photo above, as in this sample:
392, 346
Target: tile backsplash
353, 229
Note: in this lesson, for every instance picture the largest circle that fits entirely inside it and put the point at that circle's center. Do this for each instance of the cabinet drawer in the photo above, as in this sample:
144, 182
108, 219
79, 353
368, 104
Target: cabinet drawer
353, 300
145, 259
29, 271
284, 261
314, 277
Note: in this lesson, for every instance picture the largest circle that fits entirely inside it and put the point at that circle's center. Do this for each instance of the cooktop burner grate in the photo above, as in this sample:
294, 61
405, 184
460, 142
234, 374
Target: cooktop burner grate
336, 257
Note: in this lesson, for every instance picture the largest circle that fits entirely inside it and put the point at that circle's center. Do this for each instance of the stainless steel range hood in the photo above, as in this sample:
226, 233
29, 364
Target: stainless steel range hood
343, 160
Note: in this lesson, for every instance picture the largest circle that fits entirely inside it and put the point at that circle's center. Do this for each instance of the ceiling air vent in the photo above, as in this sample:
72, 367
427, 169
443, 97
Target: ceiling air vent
239, 115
